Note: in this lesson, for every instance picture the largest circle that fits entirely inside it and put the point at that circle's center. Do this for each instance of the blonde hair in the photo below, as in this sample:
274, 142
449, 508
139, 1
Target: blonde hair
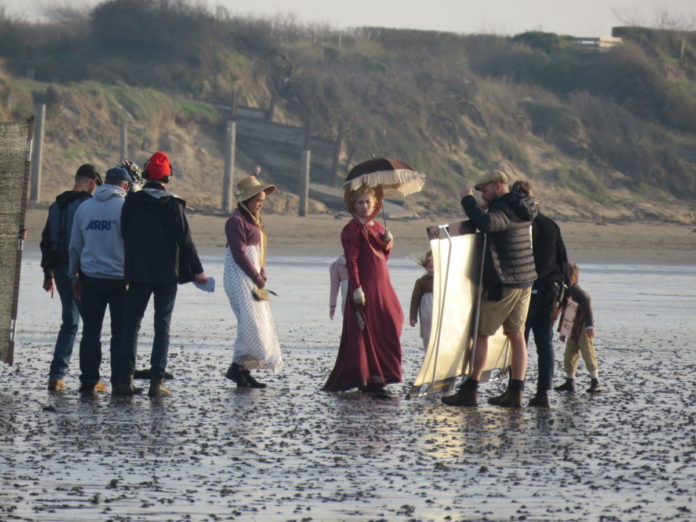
350, 197
424, 259
573, 271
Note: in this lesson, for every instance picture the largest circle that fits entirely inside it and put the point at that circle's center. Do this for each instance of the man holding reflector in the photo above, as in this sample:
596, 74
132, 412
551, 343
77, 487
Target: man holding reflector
508, 275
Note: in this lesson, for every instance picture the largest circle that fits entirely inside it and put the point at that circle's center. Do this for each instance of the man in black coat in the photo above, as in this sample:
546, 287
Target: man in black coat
551, 261
55, 240
158, 254
508, 274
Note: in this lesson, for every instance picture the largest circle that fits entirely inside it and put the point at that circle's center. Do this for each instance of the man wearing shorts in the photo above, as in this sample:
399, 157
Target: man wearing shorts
508, 274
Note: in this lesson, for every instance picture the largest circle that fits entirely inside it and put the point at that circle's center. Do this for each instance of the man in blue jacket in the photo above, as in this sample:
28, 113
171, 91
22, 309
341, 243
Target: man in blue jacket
96, 267
158, 254
508, 275
55, 240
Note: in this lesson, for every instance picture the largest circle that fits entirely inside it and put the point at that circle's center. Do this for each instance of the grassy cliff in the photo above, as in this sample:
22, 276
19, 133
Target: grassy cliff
602, 135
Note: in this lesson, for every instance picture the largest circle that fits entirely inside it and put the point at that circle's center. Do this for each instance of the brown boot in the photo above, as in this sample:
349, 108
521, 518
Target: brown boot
514, 395
157, 389
495, 400
56, 385
465, 396
123, 387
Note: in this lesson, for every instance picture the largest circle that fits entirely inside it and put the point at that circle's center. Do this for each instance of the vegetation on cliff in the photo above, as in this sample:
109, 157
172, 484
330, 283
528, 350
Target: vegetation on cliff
601, 134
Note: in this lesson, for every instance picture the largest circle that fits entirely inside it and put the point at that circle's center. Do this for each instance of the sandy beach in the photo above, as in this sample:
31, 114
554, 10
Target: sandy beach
319, 235
292, 452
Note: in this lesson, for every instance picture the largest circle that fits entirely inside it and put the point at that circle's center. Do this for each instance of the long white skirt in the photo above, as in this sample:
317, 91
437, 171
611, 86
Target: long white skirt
256, 346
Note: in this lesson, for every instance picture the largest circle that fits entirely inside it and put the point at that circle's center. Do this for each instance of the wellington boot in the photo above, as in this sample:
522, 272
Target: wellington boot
123, 387
56, 385
157, 389
463, 397
540, 400
253, 383
513, 399
236, 374
567, 386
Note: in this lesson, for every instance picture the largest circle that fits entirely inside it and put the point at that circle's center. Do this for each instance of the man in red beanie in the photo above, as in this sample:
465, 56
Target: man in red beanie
158, 254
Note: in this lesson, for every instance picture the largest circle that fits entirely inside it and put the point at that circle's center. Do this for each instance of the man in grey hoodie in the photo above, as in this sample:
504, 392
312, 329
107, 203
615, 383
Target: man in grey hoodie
96, 267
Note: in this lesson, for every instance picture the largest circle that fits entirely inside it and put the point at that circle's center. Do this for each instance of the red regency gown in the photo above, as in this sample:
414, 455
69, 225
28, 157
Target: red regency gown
371, 354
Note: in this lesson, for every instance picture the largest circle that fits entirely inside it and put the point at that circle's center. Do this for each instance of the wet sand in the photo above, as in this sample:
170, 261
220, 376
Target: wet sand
292, 452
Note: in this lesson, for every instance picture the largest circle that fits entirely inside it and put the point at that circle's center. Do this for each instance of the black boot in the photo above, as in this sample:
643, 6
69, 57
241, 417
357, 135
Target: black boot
465, 396
253, 383
567, 386
540, 400
594, 386
495, 401
513, 399
236, 373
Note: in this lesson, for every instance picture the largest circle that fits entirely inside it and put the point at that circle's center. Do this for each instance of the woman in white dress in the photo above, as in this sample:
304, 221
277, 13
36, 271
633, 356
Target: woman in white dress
256, 346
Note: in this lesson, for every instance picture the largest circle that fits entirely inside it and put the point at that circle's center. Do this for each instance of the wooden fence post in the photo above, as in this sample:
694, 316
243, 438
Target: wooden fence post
304, 174
37, 152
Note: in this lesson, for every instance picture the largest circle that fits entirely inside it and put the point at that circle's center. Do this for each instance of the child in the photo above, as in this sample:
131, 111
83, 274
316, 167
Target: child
422, 299
579, 332
339, 279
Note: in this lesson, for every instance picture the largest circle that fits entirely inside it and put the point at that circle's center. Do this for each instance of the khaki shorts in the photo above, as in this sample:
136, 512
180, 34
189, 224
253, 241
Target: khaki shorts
510, 311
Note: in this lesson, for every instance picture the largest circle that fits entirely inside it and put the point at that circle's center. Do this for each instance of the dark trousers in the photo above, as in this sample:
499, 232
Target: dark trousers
70, 321
96, 295
137, 297
539, 322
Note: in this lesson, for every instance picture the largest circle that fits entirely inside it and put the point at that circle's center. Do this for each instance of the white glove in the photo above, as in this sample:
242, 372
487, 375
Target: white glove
387, 236
359, 296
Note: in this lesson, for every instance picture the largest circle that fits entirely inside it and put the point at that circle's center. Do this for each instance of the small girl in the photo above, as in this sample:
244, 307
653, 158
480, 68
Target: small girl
579, 332
422, 299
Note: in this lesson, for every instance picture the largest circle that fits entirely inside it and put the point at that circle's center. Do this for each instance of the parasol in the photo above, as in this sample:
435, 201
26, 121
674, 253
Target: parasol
394, 176
389, 177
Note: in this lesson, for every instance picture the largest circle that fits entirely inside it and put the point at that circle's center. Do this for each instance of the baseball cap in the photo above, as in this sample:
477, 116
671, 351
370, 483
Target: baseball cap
88, 171
492, 176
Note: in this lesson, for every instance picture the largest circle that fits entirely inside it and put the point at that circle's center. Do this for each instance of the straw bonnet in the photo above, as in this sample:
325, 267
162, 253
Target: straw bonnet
249, 187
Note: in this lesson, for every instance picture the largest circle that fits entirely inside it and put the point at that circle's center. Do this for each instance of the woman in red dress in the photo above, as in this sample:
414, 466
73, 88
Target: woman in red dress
369, 356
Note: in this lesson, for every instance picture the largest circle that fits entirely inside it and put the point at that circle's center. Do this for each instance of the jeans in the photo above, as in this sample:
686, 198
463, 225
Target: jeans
539, 322
96, 295
137, 298
70, 320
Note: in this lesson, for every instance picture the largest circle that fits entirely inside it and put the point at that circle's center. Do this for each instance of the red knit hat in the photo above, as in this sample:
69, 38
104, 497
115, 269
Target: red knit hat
158, 166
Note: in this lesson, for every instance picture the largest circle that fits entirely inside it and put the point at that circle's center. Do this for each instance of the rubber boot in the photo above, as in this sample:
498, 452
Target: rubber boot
465, 396
567, 386
514, 396
236, 373
157, 389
